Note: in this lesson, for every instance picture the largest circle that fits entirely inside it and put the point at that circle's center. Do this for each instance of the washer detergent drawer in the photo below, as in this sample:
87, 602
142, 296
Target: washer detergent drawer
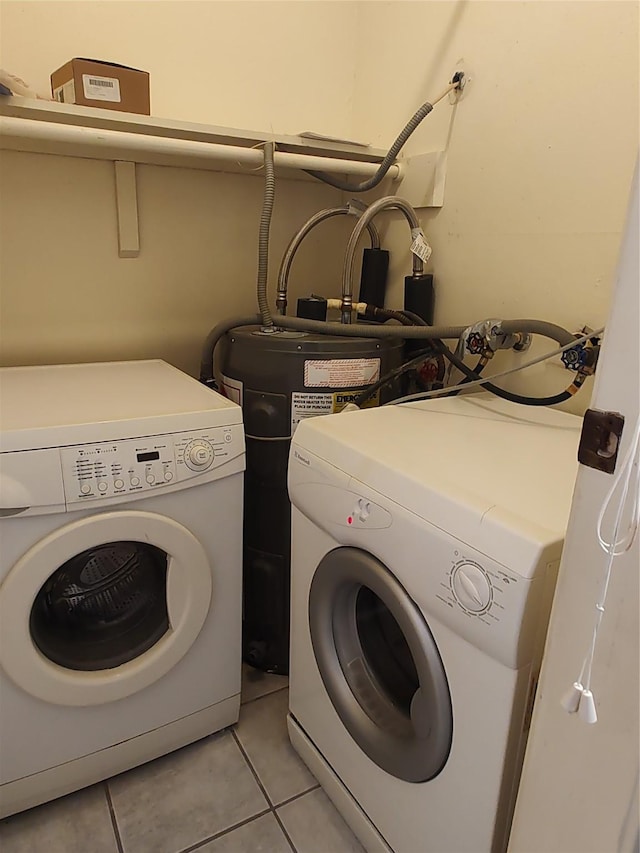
31, 483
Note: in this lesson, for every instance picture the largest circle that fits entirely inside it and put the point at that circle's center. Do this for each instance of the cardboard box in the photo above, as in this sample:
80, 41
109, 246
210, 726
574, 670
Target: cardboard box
94, 83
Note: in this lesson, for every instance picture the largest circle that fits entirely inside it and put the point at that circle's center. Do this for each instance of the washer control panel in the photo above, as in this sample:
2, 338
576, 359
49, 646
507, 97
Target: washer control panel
130, 466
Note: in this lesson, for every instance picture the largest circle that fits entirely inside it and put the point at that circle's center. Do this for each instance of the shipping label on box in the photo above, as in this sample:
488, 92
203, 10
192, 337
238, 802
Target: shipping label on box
101, 88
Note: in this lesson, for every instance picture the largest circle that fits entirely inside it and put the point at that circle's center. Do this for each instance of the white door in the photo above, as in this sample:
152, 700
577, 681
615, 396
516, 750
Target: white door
103, 607
579, 788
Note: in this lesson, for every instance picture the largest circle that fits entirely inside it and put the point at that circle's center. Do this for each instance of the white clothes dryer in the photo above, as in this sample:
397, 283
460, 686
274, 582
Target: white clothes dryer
425, 544
120, 571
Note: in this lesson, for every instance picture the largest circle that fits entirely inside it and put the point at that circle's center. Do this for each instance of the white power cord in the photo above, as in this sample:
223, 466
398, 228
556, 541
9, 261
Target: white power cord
579, 698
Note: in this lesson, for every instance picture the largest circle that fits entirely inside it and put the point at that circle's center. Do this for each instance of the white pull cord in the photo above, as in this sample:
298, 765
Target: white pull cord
580, 697
633, 483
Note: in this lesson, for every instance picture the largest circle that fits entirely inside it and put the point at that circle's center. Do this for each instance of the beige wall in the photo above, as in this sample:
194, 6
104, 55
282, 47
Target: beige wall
540, 154
265, 65
541, 150
66, 296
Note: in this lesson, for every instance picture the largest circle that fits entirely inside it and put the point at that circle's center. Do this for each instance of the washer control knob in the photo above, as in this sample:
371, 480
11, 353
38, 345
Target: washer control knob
150, 479
118, 484
85, 488
135, 481
168, 475
471, 587
198, 455
102, 486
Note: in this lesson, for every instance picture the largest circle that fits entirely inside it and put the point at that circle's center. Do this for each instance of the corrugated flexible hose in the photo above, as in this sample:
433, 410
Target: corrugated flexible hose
263, 240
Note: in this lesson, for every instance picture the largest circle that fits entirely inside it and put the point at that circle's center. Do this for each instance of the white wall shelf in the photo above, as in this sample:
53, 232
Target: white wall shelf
48, 127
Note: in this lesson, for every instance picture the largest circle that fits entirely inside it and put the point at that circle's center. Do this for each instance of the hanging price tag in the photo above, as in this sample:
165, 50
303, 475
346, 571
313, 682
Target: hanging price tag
421, 248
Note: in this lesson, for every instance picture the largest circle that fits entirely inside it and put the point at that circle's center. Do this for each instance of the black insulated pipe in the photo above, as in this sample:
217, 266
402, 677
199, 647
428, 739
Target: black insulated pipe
312, 308
419, 296
373, 278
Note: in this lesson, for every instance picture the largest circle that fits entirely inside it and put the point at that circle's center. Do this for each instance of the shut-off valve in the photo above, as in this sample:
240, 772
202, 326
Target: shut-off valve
583, 357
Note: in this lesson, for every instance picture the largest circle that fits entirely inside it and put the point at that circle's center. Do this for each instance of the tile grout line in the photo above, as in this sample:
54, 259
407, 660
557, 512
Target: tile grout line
262, 695
297, 796
252, 769
284, 831
272, 808
199, 844
269, 810
114, 822
286, 803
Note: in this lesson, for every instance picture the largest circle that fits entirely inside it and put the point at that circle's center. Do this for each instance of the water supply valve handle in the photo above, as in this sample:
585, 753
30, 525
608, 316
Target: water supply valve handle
476, 343
428, 370
574, 358
584, 355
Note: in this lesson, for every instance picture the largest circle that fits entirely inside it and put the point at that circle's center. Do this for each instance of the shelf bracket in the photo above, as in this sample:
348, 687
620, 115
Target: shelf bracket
127, 209
422, 179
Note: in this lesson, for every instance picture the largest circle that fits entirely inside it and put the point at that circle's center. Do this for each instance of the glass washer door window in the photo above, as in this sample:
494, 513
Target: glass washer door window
33, 611
103, 607
380, 665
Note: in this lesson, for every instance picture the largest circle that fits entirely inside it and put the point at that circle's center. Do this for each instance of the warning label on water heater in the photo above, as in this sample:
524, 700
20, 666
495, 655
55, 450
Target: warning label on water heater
341, 372
310, 405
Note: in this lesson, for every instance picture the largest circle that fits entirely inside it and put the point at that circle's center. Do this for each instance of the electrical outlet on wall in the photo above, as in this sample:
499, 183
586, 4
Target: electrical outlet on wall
461, 67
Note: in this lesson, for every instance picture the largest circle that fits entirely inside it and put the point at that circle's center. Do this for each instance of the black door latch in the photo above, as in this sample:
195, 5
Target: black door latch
600, 440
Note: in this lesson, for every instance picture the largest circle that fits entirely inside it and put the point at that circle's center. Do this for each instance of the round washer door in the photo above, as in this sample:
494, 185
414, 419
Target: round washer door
380, 665
75, 601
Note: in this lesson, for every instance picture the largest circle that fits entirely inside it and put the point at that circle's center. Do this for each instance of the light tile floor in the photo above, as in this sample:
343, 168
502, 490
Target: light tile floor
243, 790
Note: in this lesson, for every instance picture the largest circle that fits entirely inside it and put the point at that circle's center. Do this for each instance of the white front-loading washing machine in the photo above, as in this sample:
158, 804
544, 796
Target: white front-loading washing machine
120, 571
425, 544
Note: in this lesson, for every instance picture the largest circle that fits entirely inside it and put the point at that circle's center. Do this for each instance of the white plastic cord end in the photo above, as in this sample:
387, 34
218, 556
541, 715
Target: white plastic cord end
571, 699
579, 699
587, 708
